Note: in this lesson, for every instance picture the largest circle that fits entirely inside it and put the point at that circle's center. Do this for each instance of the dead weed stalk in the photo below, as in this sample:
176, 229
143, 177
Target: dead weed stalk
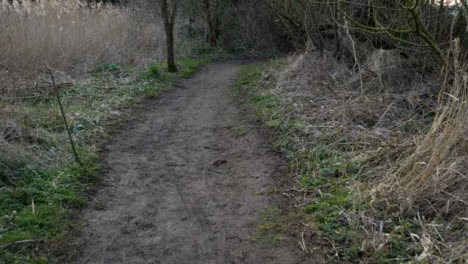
435, 172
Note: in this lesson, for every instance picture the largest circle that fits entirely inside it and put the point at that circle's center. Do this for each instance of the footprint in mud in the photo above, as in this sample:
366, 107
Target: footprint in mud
219, 162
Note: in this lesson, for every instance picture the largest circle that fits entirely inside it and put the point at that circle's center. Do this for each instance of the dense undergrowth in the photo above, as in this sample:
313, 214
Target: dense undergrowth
40, 183
343, 148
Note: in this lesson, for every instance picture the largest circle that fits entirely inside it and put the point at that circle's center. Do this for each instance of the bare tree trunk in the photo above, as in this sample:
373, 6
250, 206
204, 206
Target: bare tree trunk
213, 36
169, 17
212, 18
171, 64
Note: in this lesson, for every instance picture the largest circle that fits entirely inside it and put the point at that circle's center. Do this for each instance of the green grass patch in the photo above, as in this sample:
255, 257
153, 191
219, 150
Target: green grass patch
156, 79
187, 67
35, 202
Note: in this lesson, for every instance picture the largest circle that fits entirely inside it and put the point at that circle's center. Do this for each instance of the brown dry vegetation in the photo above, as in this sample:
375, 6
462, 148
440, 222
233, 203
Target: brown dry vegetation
373, 115
380, 177
380, 174
67, 36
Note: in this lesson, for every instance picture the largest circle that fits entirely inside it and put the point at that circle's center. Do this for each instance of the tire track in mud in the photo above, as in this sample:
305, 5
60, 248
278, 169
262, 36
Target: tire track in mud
182, 187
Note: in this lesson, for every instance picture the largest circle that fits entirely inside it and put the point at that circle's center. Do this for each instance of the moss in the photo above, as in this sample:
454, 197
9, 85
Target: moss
240, 131
272, 227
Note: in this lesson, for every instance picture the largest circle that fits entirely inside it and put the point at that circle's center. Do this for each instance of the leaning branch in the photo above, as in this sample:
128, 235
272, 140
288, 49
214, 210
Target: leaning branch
62, 111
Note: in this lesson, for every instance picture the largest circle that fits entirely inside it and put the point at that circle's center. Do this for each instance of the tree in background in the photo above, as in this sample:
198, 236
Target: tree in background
213, 14
212, 10
417, 27
168, 11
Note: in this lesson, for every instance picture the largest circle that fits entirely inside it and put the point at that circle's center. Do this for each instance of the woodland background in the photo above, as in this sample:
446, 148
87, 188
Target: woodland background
367, 100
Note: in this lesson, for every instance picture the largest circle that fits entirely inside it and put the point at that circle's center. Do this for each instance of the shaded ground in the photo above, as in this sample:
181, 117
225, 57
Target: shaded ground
187, 184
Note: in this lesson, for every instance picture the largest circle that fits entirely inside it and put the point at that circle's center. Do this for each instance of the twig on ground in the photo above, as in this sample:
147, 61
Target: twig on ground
20, 242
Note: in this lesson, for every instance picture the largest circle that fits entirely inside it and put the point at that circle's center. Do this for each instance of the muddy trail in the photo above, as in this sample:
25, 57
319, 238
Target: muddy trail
187, 184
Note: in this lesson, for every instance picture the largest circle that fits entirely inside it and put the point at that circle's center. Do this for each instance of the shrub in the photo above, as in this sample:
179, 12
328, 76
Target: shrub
151, 72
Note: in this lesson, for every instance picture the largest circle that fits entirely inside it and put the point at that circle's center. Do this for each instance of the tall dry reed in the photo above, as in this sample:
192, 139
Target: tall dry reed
435, 173
65, 34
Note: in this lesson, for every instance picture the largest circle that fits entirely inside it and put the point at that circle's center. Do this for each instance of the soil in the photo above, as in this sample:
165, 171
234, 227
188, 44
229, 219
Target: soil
187, 184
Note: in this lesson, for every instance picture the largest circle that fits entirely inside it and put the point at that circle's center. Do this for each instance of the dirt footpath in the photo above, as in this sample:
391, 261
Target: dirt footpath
187, 184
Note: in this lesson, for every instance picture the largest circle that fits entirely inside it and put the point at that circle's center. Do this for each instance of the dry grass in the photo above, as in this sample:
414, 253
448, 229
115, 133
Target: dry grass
67, 35
64, 33
408, 150
431, 182
435, 171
